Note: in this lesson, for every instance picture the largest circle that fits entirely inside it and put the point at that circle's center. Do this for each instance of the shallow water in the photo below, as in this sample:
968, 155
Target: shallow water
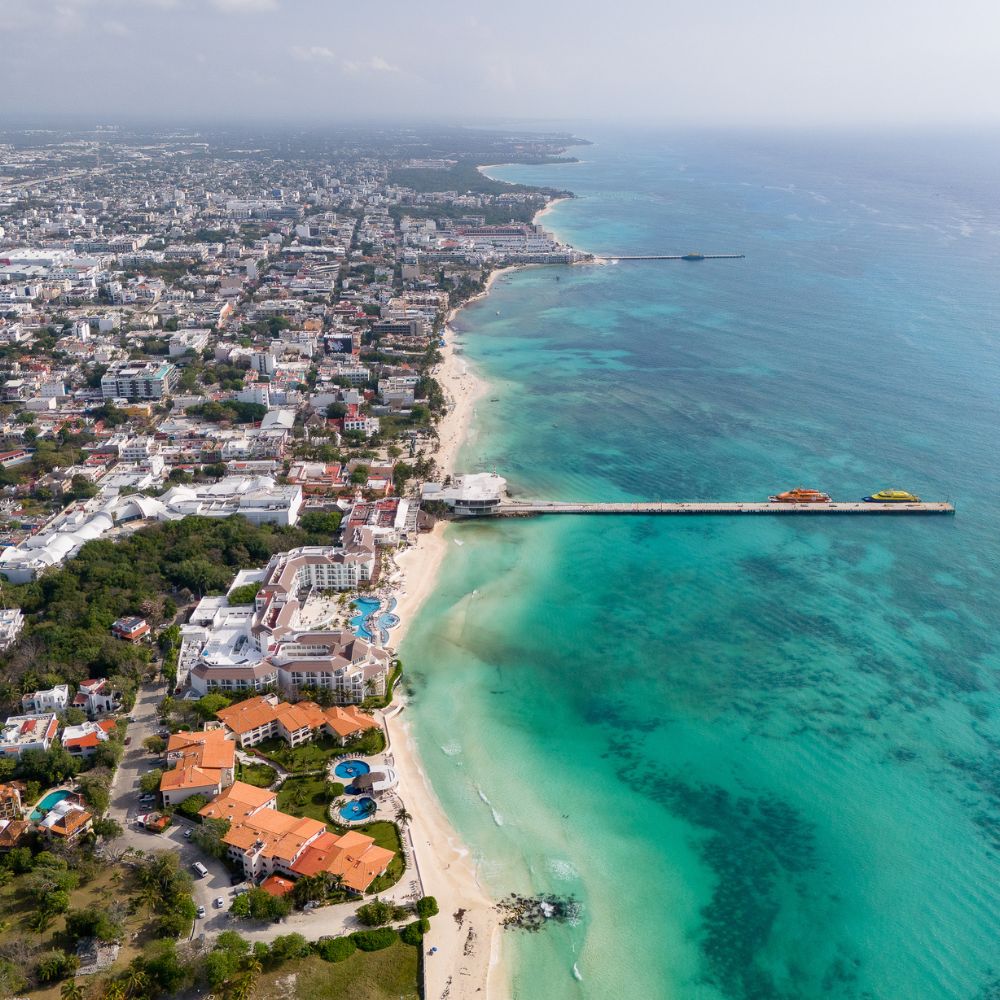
763, 754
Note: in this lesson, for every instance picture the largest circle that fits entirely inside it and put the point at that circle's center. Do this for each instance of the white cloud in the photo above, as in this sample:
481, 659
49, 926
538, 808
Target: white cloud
240, 6
312, 53
375, 64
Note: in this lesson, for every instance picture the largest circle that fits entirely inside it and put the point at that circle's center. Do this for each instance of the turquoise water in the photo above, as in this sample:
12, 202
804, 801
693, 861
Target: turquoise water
358, 809
764, 755
365, 606
47, 803
351, 768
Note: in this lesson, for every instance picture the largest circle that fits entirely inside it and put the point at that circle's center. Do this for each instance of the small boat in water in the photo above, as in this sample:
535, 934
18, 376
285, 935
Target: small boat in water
801, 495
892, 496
693, 255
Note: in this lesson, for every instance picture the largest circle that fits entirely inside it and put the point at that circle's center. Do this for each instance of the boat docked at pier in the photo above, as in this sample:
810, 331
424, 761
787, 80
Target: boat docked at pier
800, 495
892, 496
693, 255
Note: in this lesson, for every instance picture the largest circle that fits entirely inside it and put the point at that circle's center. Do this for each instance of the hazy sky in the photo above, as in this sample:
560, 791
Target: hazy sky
714, 61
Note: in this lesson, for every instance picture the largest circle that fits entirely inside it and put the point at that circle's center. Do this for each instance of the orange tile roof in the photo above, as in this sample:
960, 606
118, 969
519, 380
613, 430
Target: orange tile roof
353, 856
281, 836
247, 715
189, 776
303, 715
275, 885
348, 720
208, 749
239, 800
87, 740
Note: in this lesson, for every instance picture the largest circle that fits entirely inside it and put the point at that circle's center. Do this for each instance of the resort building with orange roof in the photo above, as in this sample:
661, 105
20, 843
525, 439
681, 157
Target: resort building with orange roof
204, 764
264, 717
266, 841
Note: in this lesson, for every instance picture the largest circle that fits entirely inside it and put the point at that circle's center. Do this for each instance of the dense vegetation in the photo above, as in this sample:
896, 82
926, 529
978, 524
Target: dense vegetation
229, 409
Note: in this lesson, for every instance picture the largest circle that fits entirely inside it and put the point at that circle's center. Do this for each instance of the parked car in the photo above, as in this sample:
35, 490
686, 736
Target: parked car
200, 869
201, 911
128, 741
219, 902
187, 834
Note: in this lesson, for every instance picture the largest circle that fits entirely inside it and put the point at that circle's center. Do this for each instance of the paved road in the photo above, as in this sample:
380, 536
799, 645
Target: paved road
125, 808
136, 761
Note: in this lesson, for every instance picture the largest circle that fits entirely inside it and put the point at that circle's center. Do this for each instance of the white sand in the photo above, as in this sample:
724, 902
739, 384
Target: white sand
466, 963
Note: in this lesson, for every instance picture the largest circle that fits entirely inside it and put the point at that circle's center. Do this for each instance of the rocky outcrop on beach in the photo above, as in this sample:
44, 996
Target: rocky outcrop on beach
531, 913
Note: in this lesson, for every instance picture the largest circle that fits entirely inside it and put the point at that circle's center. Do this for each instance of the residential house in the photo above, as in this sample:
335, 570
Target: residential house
68, 820
28, 732
97, 697
11, 625
11, 804
83, 740
56, 699
131, 628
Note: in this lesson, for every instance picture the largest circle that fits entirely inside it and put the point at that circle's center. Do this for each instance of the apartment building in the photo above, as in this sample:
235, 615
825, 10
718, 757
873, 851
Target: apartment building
138, 380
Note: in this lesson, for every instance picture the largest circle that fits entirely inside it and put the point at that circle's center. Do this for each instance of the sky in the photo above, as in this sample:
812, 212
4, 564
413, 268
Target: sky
725, 62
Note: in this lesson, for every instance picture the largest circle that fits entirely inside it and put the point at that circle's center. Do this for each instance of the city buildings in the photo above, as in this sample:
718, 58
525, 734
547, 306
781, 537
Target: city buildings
138, 380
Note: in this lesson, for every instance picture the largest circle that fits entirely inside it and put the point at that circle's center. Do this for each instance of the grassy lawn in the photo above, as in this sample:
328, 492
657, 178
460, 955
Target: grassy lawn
308, 757
260, 775
390, 974
315, 755
305, 797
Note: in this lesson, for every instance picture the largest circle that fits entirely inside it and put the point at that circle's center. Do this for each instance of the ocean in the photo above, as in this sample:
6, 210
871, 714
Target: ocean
763, 754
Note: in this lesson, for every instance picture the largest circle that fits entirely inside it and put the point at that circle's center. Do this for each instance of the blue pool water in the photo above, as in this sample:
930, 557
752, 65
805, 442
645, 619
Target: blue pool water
366, 606
358, 809
47, 803
351, 768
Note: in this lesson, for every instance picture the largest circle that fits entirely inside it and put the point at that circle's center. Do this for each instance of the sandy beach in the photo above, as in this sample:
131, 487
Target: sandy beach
468, 961
466, 934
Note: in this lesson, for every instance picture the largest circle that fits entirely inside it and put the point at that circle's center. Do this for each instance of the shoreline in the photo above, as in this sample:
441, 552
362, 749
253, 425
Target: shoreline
469, 964
468, 961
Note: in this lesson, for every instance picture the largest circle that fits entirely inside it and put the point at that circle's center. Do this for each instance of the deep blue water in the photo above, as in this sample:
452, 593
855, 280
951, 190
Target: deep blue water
765, 755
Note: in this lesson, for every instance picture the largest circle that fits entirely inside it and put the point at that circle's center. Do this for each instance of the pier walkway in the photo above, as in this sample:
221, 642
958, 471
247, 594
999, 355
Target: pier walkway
672, 256
511, 508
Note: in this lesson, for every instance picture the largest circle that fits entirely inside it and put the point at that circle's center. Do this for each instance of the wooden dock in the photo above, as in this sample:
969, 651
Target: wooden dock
511, 508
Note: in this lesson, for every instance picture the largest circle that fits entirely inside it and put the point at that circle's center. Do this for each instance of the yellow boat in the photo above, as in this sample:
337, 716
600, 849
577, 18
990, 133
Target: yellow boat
892, 496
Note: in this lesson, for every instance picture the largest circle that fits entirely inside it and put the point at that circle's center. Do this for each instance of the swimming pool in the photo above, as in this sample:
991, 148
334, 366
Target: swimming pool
351, 769
359, 809
47, 803
366, 606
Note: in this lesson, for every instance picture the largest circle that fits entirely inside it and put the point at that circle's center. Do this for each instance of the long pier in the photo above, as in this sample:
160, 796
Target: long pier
511, 508
673, 256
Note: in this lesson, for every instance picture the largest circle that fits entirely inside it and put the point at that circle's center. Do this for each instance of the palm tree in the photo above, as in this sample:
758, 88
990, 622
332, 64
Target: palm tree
114, 991
71, 990
137, 982
402, 816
